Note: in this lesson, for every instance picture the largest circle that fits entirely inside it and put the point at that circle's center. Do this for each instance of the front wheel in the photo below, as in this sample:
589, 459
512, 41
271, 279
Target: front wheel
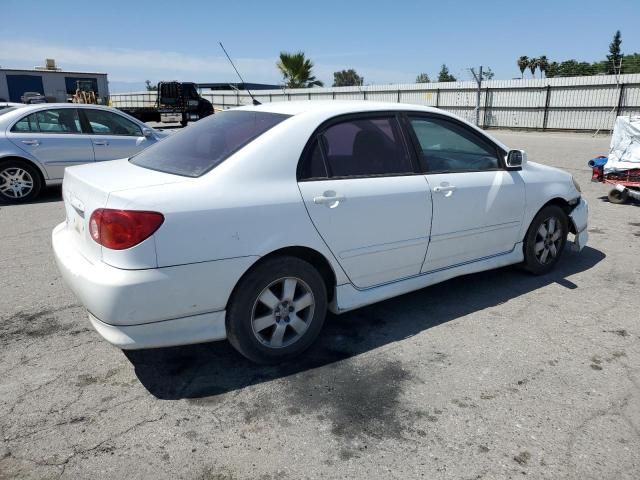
277, 310
545, 240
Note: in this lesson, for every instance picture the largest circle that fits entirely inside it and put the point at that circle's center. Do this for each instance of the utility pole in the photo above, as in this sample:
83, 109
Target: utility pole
478, 79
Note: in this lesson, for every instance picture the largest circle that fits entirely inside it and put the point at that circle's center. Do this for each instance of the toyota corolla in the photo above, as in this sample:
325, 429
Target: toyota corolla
251, 224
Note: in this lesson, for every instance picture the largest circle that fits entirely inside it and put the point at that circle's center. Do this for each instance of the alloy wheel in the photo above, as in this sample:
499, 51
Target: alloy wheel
15, 182
282, 312
548, 240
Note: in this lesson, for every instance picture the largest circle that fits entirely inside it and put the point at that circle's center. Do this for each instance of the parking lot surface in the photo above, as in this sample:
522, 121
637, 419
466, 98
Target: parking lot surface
494, 375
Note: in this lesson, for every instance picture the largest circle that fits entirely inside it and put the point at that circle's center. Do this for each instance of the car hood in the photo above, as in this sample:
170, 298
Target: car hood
552, 173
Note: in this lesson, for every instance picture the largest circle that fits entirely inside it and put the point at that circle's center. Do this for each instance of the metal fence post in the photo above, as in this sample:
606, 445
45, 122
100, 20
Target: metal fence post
620, 100
364, 94
486, 107
545, 117
398, 96
437, 98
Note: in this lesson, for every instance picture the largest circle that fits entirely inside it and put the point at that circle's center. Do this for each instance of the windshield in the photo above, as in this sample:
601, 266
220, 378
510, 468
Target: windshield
197, 149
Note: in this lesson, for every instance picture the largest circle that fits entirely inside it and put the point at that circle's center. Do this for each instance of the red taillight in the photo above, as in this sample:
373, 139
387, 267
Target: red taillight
120, 229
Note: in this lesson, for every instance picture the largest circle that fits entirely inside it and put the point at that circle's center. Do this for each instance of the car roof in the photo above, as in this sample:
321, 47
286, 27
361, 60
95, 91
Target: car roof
332, 108
335, 107
9, 117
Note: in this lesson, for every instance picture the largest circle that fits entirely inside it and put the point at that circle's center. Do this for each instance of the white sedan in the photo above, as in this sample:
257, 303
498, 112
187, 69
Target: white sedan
252, 223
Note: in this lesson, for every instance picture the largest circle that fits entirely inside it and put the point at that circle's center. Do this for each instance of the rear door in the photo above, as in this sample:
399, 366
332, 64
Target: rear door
113, 136
54, 138
477, 204
366, 198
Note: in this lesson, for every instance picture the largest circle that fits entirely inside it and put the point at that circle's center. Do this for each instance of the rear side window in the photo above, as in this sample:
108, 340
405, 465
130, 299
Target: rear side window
200, 147
26, 124
365, 147
63, 120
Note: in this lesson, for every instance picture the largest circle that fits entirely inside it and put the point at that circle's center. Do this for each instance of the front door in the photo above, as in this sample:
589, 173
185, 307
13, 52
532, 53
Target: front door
477, 204
366, 200
114, 136
54, 138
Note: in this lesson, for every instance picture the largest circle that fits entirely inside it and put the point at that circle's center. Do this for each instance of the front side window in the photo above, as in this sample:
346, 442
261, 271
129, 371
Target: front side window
62, 120
109, 123
450, 147
197, 149
365, 147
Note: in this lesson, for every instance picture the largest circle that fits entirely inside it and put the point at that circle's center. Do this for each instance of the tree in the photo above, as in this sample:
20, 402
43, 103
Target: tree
552, 70
149, 87
445, 76
423, 78
615, 55
631, 63
533, 64
347, 78
523, 63
297, 70
487, 74
543, 65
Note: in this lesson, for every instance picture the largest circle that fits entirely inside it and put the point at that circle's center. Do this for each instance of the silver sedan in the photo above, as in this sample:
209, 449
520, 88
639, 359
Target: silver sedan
37, 142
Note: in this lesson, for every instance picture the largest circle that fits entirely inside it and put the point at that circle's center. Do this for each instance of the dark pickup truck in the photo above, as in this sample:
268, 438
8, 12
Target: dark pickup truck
176, 102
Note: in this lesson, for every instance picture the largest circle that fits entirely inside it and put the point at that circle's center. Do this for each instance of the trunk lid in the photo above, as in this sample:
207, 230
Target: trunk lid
86, 188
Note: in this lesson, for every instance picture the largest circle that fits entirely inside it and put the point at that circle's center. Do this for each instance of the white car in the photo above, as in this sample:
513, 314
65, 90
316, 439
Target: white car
250, 224
37, 142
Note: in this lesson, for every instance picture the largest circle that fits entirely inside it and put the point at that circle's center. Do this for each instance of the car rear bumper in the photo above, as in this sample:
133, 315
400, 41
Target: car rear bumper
579, 217
150, 307
168, 333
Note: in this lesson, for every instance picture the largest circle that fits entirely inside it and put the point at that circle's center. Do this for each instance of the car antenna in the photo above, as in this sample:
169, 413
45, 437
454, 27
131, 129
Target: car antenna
255, 102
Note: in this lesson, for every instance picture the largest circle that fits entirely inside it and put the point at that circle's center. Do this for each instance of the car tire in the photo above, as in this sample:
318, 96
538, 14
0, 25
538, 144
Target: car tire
20, 181
618, 197
545, 240
277, 310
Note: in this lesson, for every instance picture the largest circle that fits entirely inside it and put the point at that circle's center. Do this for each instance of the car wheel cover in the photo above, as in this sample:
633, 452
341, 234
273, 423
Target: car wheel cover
282, 313
15, 182
548, 240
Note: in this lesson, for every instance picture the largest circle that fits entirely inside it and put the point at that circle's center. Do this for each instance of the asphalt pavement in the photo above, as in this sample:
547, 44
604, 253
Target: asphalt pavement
495, 375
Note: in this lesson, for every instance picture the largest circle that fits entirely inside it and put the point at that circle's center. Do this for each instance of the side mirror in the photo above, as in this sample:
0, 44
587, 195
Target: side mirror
147, 132
516, 159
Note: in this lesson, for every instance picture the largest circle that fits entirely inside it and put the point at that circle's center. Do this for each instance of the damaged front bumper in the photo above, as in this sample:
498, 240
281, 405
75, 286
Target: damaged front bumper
579, 218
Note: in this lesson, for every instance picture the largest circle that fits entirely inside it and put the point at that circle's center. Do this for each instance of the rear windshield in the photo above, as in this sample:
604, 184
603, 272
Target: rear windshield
200, 147
4, 109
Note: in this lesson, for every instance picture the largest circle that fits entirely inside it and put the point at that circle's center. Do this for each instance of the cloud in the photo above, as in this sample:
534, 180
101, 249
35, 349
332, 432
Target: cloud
130, 66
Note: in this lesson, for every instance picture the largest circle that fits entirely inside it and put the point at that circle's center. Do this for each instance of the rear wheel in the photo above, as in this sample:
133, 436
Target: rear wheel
19, 181
618, 197
545, 240
277, 310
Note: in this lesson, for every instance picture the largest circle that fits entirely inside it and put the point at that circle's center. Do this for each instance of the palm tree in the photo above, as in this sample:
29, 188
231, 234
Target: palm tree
297, 70
523, 63
533, 64
543, 65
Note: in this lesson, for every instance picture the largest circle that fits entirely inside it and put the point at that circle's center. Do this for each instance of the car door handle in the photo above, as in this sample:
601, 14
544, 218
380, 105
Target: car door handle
100, 142
35, 143
444, 189
329, 198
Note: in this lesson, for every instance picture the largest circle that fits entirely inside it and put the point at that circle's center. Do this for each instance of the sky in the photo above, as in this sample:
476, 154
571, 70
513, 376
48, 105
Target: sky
385, 42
